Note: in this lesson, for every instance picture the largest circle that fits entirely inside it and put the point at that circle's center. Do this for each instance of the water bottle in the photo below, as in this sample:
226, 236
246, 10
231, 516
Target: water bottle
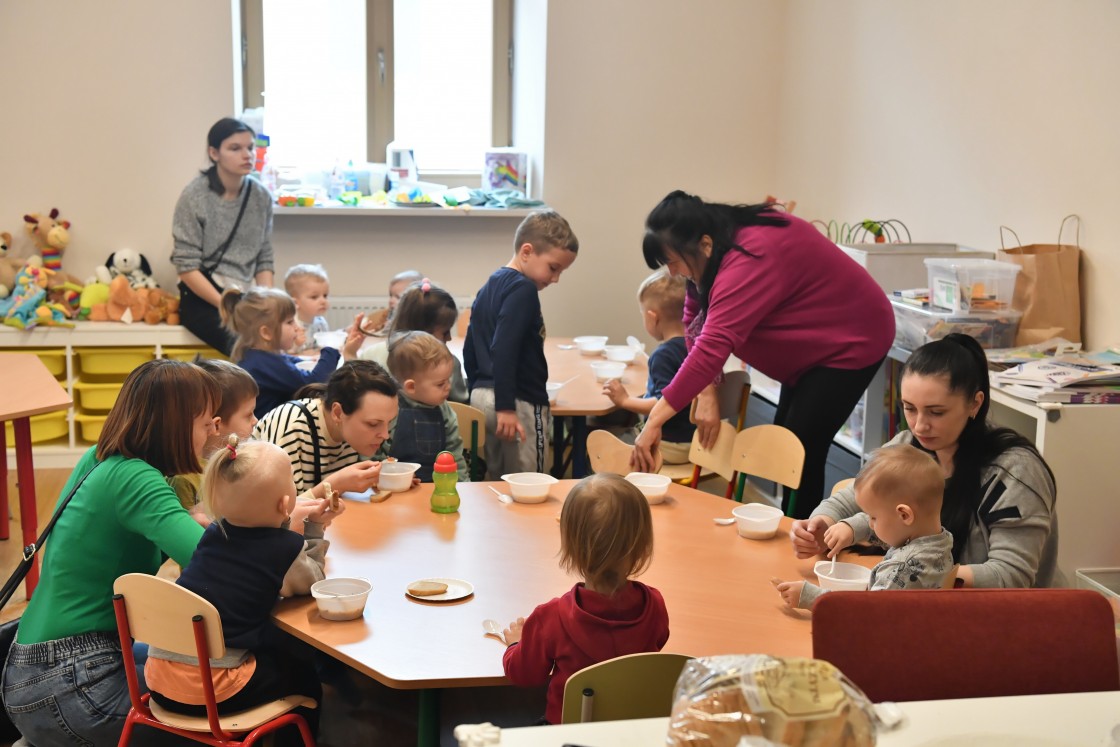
445, 473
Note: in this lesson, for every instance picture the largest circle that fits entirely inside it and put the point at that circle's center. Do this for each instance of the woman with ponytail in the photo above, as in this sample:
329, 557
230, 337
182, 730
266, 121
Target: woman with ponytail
772, 290
222, 230
999, 492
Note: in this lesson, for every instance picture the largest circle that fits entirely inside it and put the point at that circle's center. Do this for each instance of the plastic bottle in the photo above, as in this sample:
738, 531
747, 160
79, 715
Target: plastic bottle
336, 183
445, 473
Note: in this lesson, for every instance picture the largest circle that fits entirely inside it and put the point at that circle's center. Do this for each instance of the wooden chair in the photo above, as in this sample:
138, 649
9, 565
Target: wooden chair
158, 612
733, 393
472, 427
968, 643
607, 453
841, 485
626, 687
771, 452
463, 322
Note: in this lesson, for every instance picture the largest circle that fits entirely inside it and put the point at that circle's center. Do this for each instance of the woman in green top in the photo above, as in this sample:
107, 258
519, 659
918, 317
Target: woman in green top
64, 679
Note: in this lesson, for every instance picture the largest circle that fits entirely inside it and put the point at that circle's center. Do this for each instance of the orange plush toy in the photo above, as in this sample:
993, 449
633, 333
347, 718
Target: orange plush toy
162, 307
124, 305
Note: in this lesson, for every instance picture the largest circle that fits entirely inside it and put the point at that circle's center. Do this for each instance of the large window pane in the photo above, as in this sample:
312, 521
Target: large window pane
315, 81
443, 59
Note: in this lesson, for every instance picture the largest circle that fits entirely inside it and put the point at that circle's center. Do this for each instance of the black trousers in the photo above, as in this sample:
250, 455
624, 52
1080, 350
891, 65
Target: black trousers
203, 320
814, 409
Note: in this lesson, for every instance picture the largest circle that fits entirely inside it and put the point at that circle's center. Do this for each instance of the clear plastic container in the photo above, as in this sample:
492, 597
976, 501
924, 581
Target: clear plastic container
915, 326
971, 284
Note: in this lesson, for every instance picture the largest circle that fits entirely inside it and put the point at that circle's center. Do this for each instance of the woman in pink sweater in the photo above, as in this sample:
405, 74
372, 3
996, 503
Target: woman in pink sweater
772, 290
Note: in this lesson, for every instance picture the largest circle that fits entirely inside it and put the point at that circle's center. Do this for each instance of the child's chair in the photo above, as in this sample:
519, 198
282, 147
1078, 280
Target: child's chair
841, 484
158, 612
771, 452
733, 392
472, 422
632, 686
607, 453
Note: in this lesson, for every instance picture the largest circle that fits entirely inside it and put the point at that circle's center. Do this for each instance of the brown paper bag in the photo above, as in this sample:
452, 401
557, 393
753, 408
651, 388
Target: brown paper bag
1048, 287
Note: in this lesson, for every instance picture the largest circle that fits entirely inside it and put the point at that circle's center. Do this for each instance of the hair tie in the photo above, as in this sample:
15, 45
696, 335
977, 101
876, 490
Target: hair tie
425, 285
232, 446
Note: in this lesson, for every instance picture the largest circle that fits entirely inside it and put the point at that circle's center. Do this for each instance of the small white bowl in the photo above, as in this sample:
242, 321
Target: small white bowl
529, 487
848, 576
396, 476
653, 486
333, 339
756, 520
553, 389
620, 353
607, 370
590, 344
341, 598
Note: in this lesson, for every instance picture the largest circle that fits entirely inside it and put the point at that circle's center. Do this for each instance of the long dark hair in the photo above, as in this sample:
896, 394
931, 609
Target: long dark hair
217, 135
349, 383
962, 360
679, 222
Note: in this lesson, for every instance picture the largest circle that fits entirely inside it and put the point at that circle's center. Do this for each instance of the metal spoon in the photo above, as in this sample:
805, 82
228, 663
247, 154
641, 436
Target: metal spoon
501, 497
494, 629
724, 522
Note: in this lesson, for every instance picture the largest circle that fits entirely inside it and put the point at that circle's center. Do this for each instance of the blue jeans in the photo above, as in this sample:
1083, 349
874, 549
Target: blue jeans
66, 692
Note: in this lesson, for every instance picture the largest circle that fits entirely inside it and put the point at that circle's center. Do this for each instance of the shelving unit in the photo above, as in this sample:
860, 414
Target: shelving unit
61, 438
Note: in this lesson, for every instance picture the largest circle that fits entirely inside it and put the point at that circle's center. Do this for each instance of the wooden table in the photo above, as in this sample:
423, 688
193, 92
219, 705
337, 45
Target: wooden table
716, 585
579, 399
1030, 720
27, 389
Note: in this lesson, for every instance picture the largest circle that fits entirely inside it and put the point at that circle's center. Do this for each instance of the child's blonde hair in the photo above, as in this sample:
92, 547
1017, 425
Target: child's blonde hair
904, 474
545, 229
228, 465
606, 531
414, 353
426, 307
297, 274
664, 293
236, 384
245, 312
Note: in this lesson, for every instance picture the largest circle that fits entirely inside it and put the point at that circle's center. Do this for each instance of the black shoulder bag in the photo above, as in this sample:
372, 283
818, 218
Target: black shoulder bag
8, 629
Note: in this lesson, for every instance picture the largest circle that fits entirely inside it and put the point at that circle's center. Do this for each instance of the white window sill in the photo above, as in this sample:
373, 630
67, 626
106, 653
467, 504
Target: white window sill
396, 211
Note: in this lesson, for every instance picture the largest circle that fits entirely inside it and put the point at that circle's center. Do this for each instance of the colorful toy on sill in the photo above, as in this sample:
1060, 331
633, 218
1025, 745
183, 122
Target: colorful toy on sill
22, 309
414, 196
94, 293
351, 198
9, 266
51, 237
130, 263
125, 304
162, 307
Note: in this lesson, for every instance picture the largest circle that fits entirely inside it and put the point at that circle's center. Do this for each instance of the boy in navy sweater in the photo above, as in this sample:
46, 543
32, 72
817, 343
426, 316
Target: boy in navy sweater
504, 350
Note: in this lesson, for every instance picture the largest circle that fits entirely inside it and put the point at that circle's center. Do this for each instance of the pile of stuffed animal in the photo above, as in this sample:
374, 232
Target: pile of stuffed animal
35, 291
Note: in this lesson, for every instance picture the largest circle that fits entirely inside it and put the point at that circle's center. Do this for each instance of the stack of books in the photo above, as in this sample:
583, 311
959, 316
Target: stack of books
1073, 379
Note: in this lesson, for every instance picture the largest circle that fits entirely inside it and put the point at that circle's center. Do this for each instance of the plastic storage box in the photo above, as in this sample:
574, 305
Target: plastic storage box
915, 326
1107, 582
45, 427
971, 284
188, 353
89, 426
98, 397
114, 362
53, 358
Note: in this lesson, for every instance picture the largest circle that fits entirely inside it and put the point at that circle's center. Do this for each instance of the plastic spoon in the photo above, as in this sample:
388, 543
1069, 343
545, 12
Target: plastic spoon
504, 499
724, 522
832, 568
493, 628
566, 382
635, 343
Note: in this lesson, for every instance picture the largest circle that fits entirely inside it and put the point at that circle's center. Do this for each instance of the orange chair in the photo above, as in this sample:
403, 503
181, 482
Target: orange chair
157, 611
968, 643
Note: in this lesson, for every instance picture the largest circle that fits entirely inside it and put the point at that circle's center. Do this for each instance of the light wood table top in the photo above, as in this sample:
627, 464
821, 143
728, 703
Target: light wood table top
29, 388
716, 585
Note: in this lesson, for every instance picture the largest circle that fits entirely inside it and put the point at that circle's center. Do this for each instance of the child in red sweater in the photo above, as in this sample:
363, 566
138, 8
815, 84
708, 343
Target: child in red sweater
606, 536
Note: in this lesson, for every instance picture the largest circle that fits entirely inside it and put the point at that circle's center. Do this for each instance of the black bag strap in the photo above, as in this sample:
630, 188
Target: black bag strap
229, 239
29, 552
318, 471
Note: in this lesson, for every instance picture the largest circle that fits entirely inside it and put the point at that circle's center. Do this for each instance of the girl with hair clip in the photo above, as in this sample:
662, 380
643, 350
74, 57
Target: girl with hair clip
260, 546
424, 307
606, 536
999, 492
264, 322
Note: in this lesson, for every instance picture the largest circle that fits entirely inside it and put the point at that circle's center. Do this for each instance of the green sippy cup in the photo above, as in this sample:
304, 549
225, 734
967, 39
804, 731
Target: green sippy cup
445, 473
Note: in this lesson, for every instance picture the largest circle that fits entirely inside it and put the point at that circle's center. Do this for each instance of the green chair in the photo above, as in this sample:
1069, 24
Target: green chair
626, 687
472, 427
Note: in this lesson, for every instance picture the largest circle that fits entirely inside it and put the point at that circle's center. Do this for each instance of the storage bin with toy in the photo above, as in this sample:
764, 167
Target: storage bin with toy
914, 326
971, 284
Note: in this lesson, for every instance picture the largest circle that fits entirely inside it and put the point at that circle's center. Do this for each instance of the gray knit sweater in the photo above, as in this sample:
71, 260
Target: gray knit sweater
1013, 541
203, 221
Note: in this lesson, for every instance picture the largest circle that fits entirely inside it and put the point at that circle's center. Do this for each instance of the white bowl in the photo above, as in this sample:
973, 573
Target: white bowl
848, 576
341, 598
654, 487
529, 487
553, 389
607, 370
334, 339
396, 476
757, 520
621, 353
589, 344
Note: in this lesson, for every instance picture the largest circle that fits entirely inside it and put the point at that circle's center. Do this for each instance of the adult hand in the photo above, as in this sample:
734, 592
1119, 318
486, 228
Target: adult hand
706, 416
647, 449
837, 537
509, 428
790, 590
807, 536
512, 634
354, 339
615, 392
356, 478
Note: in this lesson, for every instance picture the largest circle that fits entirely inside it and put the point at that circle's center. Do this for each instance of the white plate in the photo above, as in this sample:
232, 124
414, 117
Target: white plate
456, 589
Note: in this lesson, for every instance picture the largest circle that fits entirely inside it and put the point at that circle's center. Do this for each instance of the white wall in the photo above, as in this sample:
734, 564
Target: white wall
957, 117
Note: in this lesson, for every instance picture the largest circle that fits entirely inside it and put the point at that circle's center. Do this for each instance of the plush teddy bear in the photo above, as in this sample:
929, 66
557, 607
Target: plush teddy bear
125, 303
130, 263
162, 307
9, 266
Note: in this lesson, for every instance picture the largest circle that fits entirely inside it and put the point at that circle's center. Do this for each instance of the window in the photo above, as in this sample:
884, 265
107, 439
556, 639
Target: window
340, 80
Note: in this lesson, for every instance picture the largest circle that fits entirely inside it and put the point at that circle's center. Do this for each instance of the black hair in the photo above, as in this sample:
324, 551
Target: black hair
217, 135
349, 383
679, 222
961, 359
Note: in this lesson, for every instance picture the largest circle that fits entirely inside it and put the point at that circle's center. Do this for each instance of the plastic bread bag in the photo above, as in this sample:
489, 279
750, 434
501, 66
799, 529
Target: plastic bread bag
726, 701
